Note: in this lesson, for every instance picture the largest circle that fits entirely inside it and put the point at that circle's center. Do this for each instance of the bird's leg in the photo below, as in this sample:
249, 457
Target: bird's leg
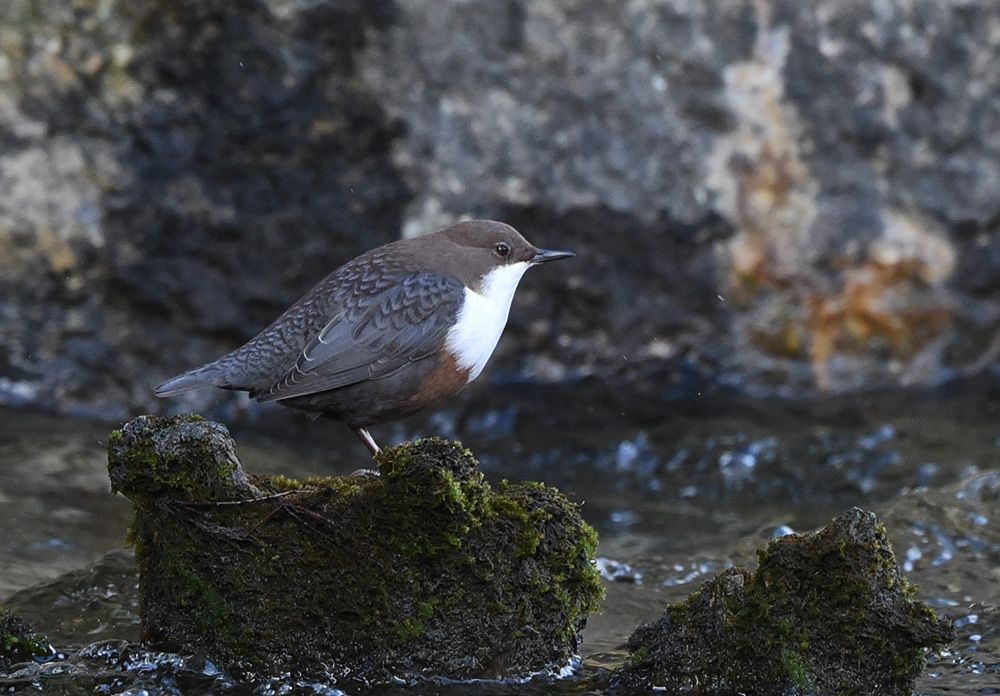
366, 437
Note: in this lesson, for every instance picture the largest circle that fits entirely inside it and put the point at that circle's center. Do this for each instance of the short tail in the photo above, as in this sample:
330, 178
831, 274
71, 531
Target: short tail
200, 378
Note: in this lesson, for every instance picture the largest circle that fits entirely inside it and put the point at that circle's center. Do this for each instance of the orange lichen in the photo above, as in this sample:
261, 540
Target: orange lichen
765, 186
878, 302
862, 313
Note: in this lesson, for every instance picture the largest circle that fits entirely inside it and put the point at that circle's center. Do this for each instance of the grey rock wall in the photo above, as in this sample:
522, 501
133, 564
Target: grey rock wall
777, 197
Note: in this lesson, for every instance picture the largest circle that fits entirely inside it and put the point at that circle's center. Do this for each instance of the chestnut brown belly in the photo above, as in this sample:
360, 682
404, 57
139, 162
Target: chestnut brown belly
412, 388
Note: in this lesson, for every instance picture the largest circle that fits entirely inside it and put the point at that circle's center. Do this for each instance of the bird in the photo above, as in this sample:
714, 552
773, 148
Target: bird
396, 330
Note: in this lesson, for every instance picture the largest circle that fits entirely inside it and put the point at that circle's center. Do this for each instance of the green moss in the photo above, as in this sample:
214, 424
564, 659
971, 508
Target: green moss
183, 456
361, 572
408, 629
284, 484
19, 643
640, 654
826, 613
793, 665
183, 592
426, 609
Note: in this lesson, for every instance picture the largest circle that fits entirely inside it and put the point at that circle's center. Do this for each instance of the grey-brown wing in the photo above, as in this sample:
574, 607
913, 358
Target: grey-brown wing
404, 322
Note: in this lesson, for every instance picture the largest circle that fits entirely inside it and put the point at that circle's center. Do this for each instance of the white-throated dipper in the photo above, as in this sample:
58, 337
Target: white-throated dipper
397, 329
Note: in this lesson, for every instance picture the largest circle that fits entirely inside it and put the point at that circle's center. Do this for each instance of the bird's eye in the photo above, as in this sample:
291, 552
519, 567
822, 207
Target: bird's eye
501, 249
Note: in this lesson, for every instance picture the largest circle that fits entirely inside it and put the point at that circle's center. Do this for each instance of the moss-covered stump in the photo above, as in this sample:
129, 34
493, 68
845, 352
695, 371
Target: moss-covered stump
19, 643
421, 571
824, 613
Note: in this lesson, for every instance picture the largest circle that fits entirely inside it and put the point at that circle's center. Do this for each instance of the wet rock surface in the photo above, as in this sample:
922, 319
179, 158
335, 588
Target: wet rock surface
780, 197
824, 613
422, 571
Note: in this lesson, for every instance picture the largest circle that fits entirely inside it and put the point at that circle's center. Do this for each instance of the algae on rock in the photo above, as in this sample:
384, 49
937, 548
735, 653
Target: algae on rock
825, 613
422, 571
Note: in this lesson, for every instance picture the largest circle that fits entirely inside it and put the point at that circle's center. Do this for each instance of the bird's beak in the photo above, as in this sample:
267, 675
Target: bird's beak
543, 255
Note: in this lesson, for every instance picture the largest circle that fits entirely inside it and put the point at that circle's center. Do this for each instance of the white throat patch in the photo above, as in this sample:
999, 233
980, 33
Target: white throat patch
482, 318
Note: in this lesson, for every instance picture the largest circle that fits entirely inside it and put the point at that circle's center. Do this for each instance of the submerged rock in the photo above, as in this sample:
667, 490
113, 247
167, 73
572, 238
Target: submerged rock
824, 613
422, 571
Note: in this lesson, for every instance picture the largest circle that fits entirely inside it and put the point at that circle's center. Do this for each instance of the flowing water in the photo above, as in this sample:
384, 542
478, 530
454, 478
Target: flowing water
677, 491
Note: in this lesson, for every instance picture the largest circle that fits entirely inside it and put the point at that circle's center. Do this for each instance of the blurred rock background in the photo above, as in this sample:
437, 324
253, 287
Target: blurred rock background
768, 197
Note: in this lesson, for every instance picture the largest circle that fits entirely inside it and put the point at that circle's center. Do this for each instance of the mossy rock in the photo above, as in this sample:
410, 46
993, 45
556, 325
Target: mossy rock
825, 613
185, 457
424, 570
19, 643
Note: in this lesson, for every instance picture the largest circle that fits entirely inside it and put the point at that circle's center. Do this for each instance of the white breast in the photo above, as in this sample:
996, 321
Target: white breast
482, 318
